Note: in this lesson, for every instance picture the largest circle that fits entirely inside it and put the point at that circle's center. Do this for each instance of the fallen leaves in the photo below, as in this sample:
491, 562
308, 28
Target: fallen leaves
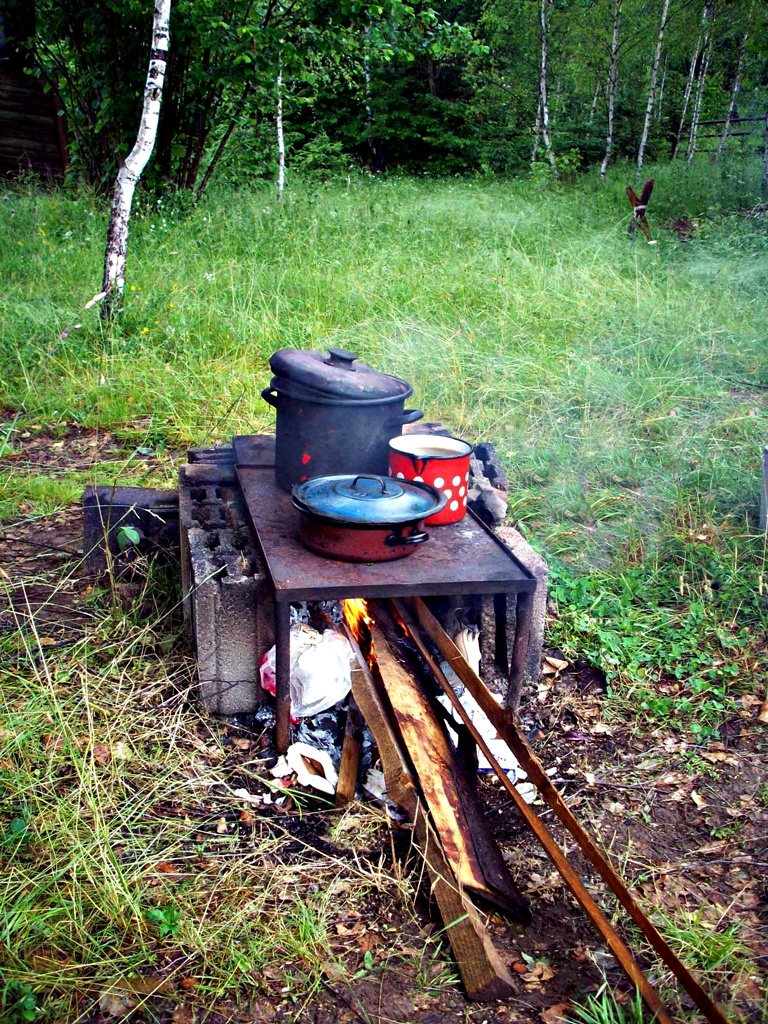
555, 1014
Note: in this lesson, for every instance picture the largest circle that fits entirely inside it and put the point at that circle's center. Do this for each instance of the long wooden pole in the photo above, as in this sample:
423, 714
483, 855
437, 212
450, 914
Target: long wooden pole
616, 945
507, 729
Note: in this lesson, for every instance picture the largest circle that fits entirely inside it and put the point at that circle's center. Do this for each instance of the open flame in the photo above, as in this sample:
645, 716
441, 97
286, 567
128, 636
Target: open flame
355, 612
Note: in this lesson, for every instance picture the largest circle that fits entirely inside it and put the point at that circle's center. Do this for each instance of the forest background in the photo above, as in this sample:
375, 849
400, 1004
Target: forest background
456, 87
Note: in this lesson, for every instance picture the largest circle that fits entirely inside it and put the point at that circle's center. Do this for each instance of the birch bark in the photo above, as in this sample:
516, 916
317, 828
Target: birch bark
612, 75
536, 133
734, 95
132, 167
686, 97
652, 90
595, 97
661, 88
697, 104
545, 4
280, 137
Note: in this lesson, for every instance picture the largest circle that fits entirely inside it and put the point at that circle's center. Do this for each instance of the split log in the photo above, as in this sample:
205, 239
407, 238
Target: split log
482, 970
350, 752
465, 836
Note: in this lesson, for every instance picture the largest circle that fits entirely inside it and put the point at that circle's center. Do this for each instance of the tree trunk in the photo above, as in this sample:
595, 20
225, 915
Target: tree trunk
536, 133
697, 104
224, 140
686, 97
734, 94
652, 90
612, 75
595, 97
280, 137
661, 88
134, 164
545, 4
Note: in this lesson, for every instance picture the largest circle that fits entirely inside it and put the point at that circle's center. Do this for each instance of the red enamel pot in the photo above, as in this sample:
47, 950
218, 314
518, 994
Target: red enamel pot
364, 518
441, 462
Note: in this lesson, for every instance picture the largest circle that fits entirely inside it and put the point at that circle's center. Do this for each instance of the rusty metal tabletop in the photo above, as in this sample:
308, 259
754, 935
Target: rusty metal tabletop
466, 558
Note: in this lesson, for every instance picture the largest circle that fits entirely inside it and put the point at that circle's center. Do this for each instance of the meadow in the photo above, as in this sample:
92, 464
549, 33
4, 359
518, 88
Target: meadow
624, 385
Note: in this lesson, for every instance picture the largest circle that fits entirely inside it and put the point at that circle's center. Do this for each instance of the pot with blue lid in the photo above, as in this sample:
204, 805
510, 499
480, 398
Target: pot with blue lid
364, 518
335, 415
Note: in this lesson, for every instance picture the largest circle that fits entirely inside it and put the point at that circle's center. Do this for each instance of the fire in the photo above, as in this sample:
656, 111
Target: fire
355, 611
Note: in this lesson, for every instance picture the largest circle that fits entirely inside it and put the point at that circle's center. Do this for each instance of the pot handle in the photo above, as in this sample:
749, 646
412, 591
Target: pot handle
269, 397
411, 415
396, 540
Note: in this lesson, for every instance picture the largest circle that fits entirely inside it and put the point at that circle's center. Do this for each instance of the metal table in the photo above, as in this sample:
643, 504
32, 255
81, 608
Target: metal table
466, 558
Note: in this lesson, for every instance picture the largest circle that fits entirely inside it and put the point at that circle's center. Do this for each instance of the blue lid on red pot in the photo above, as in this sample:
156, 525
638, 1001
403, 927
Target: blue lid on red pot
367, 500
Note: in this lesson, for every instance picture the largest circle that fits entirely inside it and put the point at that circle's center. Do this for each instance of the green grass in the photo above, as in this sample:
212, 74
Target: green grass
624, 385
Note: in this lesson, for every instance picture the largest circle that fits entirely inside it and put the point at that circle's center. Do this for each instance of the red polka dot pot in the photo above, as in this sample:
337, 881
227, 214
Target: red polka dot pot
442, 462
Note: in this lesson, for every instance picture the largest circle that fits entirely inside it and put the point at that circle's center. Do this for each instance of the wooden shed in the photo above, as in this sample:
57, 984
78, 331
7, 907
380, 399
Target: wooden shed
32, 134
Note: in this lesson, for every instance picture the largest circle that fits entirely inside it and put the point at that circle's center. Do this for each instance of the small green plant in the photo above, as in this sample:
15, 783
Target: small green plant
19, 1003
604, 1008
165, 920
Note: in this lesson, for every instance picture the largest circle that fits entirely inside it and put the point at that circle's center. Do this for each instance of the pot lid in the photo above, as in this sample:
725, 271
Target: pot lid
336, 372
367, 500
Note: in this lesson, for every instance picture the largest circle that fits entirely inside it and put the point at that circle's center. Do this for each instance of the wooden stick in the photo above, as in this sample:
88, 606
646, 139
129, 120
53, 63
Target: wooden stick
350, 752
483, 972
616, 945
506, 727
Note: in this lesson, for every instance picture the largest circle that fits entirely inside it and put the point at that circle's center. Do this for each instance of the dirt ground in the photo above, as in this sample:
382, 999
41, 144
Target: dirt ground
686, 824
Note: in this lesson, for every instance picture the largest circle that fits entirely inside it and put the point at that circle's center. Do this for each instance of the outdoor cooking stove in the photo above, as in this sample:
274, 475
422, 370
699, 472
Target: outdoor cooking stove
463, 559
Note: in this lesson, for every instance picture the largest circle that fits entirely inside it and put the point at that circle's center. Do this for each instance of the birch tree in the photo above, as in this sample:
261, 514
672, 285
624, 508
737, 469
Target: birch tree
652, 89
545, 5
736, 89
280, 136
686, 97
595, 98
132, 167
700, 84
612, 75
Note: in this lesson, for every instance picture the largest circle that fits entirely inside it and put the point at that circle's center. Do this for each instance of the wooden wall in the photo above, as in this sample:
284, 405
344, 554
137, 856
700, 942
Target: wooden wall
32, 136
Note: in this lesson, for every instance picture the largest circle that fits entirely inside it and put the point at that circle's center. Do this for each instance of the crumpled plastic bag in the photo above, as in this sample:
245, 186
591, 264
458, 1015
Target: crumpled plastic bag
320, 670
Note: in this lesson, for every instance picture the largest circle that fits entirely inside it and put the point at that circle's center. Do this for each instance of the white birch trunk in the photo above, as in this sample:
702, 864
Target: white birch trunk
595, 97
280, 137
697, 103
543, 84
536, 133
734, 95
612, 76
132, 167
652, 90
661, 88
686, 97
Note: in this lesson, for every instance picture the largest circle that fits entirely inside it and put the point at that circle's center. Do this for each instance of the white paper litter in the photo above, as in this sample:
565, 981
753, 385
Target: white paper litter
479, 719
313, 767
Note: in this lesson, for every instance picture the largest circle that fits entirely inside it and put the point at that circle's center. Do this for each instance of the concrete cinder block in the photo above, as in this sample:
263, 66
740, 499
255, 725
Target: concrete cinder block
152, 512
228, 602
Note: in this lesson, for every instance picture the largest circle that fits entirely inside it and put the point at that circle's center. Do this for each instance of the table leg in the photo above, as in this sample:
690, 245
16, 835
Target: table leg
283, 675
523, 621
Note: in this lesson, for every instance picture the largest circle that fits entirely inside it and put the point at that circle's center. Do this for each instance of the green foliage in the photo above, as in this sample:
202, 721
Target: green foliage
19, 1003
165, 920
604, 1008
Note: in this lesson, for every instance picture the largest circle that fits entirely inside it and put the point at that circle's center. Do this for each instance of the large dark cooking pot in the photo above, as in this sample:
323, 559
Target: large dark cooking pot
334, 414
364, 518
